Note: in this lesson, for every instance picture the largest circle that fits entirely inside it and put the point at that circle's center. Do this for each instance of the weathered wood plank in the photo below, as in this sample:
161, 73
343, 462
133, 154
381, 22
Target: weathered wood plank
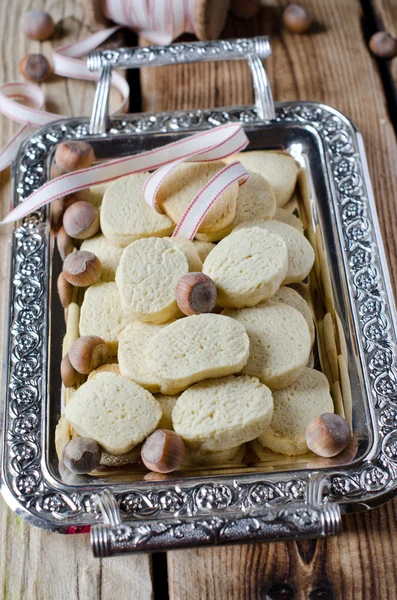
386, 19
35, 564
331, 65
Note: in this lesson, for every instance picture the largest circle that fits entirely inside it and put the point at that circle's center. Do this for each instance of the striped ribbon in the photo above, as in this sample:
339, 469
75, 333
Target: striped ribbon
211, 145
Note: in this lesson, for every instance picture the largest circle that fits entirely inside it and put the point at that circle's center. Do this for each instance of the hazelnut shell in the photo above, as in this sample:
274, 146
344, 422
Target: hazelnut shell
82, 455
69, 375
37, 25
81, 220
87, 353
65, 290
296, 19
163, 451
74, 155
195, 294
328, 435
35, 67
82, 268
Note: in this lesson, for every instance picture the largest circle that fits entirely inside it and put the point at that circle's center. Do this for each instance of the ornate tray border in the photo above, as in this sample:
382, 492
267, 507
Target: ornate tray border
208, 512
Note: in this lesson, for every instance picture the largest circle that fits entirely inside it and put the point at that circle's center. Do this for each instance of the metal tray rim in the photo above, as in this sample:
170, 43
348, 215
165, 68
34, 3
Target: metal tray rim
359, 487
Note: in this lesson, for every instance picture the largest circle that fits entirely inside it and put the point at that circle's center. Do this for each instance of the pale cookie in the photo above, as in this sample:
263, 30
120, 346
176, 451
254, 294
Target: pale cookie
289, 218
278, 168
194, 261
63, 435
97, 193
247, 267
129, 458
114, 411
195, 348
199, 458
125, 216
330, 345
300, 251
203, 248
223, 413
101, 314
287, 295
147, 275
133, 342
294, 408
167, 404
109, 368
345, 389
185, 182
108, 254
255, 202
280, 342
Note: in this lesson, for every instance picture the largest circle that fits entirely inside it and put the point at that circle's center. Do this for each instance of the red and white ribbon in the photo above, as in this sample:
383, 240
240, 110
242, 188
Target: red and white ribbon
211, 145
160, 21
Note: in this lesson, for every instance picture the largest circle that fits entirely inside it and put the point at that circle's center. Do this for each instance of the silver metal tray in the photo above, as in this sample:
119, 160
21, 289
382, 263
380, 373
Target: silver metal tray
213, 507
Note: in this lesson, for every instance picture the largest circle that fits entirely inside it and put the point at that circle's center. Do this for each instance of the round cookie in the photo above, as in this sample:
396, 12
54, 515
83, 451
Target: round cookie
108, 254
167, 404
222, 413
195, 348
97, 193
203, 248
300, 251
185, 182
199, 458
147, 275
287, 295
126, 217
247, 267
101, 314
280, 342
285, 216
133, 342
294, 408
108, 368
278, 168
194, 261
114, 411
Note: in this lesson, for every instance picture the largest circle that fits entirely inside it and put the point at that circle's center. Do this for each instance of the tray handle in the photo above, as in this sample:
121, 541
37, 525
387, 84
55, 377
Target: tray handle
310, 519
251, 49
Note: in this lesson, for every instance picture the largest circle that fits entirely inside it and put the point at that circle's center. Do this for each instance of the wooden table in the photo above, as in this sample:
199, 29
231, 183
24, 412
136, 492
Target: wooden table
333, 65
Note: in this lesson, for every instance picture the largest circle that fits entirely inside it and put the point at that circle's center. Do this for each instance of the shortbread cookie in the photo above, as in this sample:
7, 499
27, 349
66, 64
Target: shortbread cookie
195, 348
108, 254
287, 295
167, 404
125, 216
101, 314
200, 458
223, 413
280, 342
185, 182
63, 435
194, 261
97, 193
203, 248
285, 216
114, 411
109, 368
278, 168
247, 267
133, 342
294, 408
147, 275
300, 251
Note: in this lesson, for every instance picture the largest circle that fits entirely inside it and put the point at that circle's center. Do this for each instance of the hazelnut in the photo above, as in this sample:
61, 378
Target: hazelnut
56, 171
81, 220
65, 290
383, 45
196, 293
68, 373
82, 268
37, 25
296, 19
59, 206
87, 353
64, 243
245, 9
35, 67
163, 451
74, 155
81, 455
344, 457
328, 435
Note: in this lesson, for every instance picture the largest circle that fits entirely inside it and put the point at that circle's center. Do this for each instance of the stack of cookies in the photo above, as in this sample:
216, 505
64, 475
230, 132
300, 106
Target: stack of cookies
210, 338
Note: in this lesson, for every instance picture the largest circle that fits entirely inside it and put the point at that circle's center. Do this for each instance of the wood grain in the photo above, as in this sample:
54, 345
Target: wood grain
386, 19
35, 564
331, 65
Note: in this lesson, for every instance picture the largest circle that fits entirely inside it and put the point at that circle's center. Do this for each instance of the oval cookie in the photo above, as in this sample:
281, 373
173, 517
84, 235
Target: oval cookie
125, 216
147, 275
280, 342
196, 348
294, 408
287, 295
247, 267
114, 411
108, 254
222, 413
